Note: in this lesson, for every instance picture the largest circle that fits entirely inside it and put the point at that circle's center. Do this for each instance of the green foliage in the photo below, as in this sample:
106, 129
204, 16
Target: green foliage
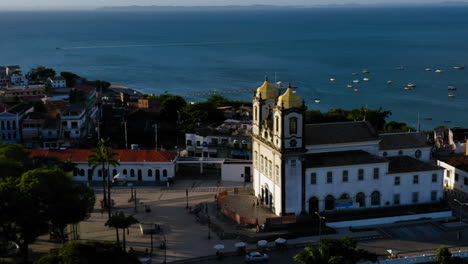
443, 255
14, 160
393, 127
41, 72
171, 105
40, 107
48, 90
90, 252
121, 221
336, 251
70, 78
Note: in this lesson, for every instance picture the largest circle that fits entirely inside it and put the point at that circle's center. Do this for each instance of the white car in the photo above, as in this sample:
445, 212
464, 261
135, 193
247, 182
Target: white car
256, 257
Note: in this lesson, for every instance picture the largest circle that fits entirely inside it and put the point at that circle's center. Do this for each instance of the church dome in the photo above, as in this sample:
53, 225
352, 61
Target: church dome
289, 99
267, 90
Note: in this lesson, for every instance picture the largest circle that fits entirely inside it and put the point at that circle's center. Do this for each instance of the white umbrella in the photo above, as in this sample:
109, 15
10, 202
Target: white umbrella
218, 247
239, 244
262, 243
280, 240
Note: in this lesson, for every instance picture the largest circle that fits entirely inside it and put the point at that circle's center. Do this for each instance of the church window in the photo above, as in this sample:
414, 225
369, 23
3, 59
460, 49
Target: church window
125, 171
375, 198
270, 172
345, 176
256, 113
329, 177
376, 173
313, 178
360, 174
261, 163
256, 159
150, 173
132, 173
277, 123
293, 143
164, 173
277, 174
361, 199
293, 125
329, 202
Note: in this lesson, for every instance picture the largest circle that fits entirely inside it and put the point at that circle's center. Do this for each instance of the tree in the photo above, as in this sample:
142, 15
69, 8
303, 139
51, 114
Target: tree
394, 127
40, 107
312, 255
48, 90
41, 72
121, 221
90, 252
70, 78
14, 160
443, 255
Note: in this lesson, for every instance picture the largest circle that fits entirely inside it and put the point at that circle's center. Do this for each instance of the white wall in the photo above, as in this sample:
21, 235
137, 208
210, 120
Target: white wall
449, 182
369, 146
425, 153
234, 171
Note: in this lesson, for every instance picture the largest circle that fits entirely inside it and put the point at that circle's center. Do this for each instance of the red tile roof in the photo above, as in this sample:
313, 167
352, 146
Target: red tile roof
124, 155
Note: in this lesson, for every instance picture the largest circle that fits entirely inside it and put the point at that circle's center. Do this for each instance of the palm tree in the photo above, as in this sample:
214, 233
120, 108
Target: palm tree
312, 255
104, 156
122, 221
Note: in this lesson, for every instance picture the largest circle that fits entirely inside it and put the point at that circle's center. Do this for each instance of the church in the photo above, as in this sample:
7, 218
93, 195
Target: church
301, 168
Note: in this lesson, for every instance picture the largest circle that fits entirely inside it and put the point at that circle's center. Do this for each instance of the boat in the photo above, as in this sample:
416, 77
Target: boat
355, 81
451, 95
452, 88
365, 71
439, 71
350, 86
400, 68
428, 69
389, 81
408, 88
412, 85
356, 90
365, 79
459, 67
355, 73
447, 121
332, 79
317, 101
428, 118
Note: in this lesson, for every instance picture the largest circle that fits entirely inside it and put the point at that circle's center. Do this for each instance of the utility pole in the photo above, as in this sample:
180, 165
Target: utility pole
320, 224
156, 136
126, 140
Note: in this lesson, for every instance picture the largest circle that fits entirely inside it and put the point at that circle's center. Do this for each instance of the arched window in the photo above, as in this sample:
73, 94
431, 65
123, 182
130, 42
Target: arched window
255, 113
150, 173
114, 172
329, 202
14, 124
293, 125
125, 172
164, 173
277, 123
3, 124
313, 205
375, 198
99, 173
139, 173
82, 172
132, 173
9, 136
8, 124
75, 172
361, 199
157, 174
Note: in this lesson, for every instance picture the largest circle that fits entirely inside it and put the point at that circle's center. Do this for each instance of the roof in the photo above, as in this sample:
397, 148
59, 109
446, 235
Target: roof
266, 90
289, 99
401, 164
341, 158
57, 78
403, 140
84, 87
459, 162
339, 132
19, 108
124, 155
459, 134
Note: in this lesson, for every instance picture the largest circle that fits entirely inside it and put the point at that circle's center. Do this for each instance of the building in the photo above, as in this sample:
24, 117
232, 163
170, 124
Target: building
10, 123
12, 76
135, 165
150, 104
308, 168
57, 82
456, 173
26, 92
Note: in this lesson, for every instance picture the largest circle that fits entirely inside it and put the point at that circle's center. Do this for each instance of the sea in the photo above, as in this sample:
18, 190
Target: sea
229, 52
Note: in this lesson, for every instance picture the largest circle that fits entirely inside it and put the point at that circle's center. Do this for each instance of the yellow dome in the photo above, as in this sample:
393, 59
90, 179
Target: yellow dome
266, 90
289, 99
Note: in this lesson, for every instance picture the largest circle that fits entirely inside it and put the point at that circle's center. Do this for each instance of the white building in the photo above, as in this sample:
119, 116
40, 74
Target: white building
57, 82
299, 168
10, 123
456, 173
135, 165
74, 120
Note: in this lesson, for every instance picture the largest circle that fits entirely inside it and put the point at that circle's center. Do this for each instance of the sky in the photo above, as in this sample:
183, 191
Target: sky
67, 4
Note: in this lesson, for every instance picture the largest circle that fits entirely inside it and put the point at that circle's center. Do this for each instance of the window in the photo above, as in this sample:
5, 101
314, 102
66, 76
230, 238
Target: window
415, 179
456, 175
277, 123
270, 169
417, 154
255, 113
99, 173
214, 141
114, 172
261, 163
164, 173
293, 143
150, 173
360, 174
465, 181
396, 199
433, 195
376, 173
415, 197
329, 202
375, 198
434, 177
293, 125
198, 143
345, 176
125, 172
140, 173
344, 196
189, 142
313, 178
277, 174
255, 159
448, 174
293, 164
400, 152
397, 180
329, 177
132, 173
361, 199
75, 172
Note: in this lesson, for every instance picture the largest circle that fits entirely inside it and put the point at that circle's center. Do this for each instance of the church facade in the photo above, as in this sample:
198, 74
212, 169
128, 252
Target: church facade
307, 168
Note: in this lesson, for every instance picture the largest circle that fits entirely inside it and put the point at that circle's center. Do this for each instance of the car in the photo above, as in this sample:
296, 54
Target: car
256, 257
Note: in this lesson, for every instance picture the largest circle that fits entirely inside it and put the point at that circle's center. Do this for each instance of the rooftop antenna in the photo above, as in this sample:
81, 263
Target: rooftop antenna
419, 124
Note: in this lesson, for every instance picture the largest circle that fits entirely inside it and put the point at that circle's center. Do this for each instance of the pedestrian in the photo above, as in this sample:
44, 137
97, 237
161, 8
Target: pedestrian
258, 203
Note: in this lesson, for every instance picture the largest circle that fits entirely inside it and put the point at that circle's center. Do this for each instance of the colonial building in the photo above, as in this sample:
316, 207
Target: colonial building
308, 168
135, 165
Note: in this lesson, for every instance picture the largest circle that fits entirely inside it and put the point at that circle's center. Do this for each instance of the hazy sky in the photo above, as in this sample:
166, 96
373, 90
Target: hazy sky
47, 4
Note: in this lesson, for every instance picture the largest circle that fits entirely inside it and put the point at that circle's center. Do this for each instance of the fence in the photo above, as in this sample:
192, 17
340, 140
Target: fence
240, 220
417, 259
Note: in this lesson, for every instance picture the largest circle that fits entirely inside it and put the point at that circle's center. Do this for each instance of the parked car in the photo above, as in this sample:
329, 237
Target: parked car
256, 257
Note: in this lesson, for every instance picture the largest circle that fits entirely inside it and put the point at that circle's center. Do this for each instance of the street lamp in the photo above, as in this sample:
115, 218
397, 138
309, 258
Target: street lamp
320, 223
461, 207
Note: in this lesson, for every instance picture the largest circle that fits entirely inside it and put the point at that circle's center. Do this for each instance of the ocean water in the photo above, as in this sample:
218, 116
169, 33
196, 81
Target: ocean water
188, 52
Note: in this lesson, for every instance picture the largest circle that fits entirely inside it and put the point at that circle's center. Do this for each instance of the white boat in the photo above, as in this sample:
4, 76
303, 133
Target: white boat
317, 101
452, 88
459, 67
350, 86
451, 95
408, 88
365, 71
428, 69
412, 85
332, 79
389, 81
355, 73
365, 79
439, 71
400, 68
355, 81
356, 90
